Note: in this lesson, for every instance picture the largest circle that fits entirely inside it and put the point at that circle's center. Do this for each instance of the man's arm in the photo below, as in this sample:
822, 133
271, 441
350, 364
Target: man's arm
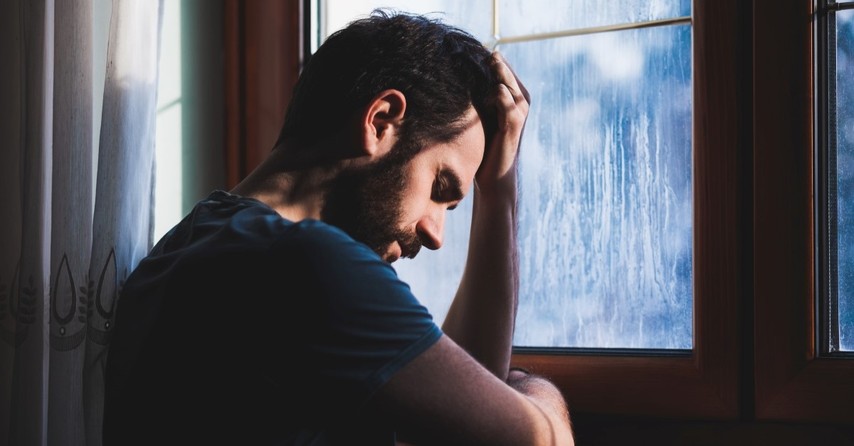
445, 397
463, 392
482, 317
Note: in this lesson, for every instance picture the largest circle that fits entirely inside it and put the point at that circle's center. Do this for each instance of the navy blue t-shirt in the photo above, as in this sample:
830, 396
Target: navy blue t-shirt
243, 326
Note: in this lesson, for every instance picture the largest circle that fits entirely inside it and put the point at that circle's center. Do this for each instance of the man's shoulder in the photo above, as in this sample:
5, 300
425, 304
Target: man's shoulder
327, 245
224, 220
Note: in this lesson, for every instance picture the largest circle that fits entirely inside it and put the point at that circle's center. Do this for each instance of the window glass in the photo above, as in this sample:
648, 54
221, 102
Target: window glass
605, 229
845, 175
606, 198
541, 16
474, 16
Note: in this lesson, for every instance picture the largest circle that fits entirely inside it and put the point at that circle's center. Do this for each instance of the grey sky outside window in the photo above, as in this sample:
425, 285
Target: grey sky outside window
845, 176
605, 230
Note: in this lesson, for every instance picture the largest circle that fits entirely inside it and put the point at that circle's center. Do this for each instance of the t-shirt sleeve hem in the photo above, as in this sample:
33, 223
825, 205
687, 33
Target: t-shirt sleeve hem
416, 348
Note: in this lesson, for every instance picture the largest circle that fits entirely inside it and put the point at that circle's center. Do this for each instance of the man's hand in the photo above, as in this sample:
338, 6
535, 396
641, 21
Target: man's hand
497, 173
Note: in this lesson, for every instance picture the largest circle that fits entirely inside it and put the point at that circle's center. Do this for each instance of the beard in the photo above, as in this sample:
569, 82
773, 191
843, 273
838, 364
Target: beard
365, 203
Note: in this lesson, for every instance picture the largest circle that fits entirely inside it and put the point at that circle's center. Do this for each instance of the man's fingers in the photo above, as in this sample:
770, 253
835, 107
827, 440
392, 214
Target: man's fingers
511, 95
506, 96
508, 77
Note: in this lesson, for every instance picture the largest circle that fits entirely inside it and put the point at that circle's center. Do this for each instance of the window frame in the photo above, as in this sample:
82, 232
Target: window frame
755, 349
263, 51
793, 381
706, 382
826, 146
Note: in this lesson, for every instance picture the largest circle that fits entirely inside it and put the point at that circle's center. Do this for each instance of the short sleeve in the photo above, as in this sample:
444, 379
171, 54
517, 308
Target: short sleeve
361, 323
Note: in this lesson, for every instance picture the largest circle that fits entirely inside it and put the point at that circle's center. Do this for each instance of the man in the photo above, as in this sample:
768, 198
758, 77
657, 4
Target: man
271, 313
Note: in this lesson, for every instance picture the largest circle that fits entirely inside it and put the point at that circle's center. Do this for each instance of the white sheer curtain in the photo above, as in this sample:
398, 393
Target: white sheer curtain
74, 207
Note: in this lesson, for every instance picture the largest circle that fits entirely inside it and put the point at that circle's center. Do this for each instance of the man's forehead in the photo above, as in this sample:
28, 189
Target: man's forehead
458, 159
473, 138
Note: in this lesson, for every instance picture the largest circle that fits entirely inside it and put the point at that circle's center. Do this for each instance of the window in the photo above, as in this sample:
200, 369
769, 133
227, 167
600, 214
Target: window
669, 147
797, 375
756, 183
836, 164
845, 178
605, 219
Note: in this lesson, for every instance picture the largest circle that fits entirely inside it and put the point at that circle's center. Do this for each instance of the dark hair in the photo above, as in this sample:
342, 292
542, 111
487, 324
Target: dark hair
441, 70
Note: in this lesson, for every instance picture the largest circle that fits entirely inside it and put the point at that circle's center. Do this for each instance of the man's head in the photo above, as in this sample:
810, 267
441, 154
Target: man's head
442, 71
398, 204
433, 83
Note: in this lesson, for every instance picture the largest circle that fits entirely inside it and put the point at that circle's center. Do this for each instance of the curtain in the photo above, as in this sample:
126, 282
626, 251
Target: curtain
74, 205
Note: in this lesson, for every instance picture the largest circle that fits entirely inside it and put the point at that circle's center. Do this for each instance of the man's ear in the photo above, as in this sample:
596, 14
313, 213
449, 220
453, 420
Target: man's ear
381, 121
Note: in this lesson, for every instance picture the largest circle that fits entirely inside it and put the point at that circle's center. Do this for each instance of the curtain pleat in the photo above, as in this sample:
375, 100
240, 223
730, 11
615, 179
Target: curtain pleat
67, 242
27, 313
71, 211
11, 137
125, 164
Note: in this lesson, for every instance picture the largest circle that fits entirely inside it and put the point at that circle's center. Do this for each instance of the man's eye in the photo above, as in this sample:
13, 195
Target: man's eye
439, 188
446, 190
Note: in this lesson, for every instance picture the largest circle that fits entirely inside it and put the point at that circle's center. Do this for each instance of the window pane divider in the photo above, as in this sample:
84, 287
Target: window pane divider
592, 30
839, 6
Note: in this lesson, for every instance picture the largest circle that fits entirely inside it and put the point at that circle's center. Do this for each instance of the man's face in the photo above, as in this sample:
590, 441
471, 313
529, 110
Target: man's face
398, 204
366, 202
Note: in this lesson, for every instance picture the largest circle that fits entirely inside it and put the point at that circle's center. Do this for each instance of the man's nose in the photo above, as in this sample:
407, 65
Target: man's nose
431, 228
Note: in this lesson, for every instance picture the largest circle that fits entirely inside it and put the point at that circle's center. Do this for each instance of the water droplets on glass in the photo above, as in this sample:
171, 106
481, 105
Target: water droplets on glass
605, 213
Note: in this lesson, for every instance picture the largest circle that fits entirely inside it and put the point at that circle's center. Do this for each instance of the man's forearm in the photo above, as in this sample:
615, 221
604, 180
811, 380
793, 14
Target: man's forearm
483, 314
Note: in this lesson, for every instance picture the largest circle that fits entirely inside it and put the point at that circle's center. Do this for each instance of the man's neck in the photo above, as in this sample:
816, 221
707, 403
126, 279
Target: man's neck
296, 192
